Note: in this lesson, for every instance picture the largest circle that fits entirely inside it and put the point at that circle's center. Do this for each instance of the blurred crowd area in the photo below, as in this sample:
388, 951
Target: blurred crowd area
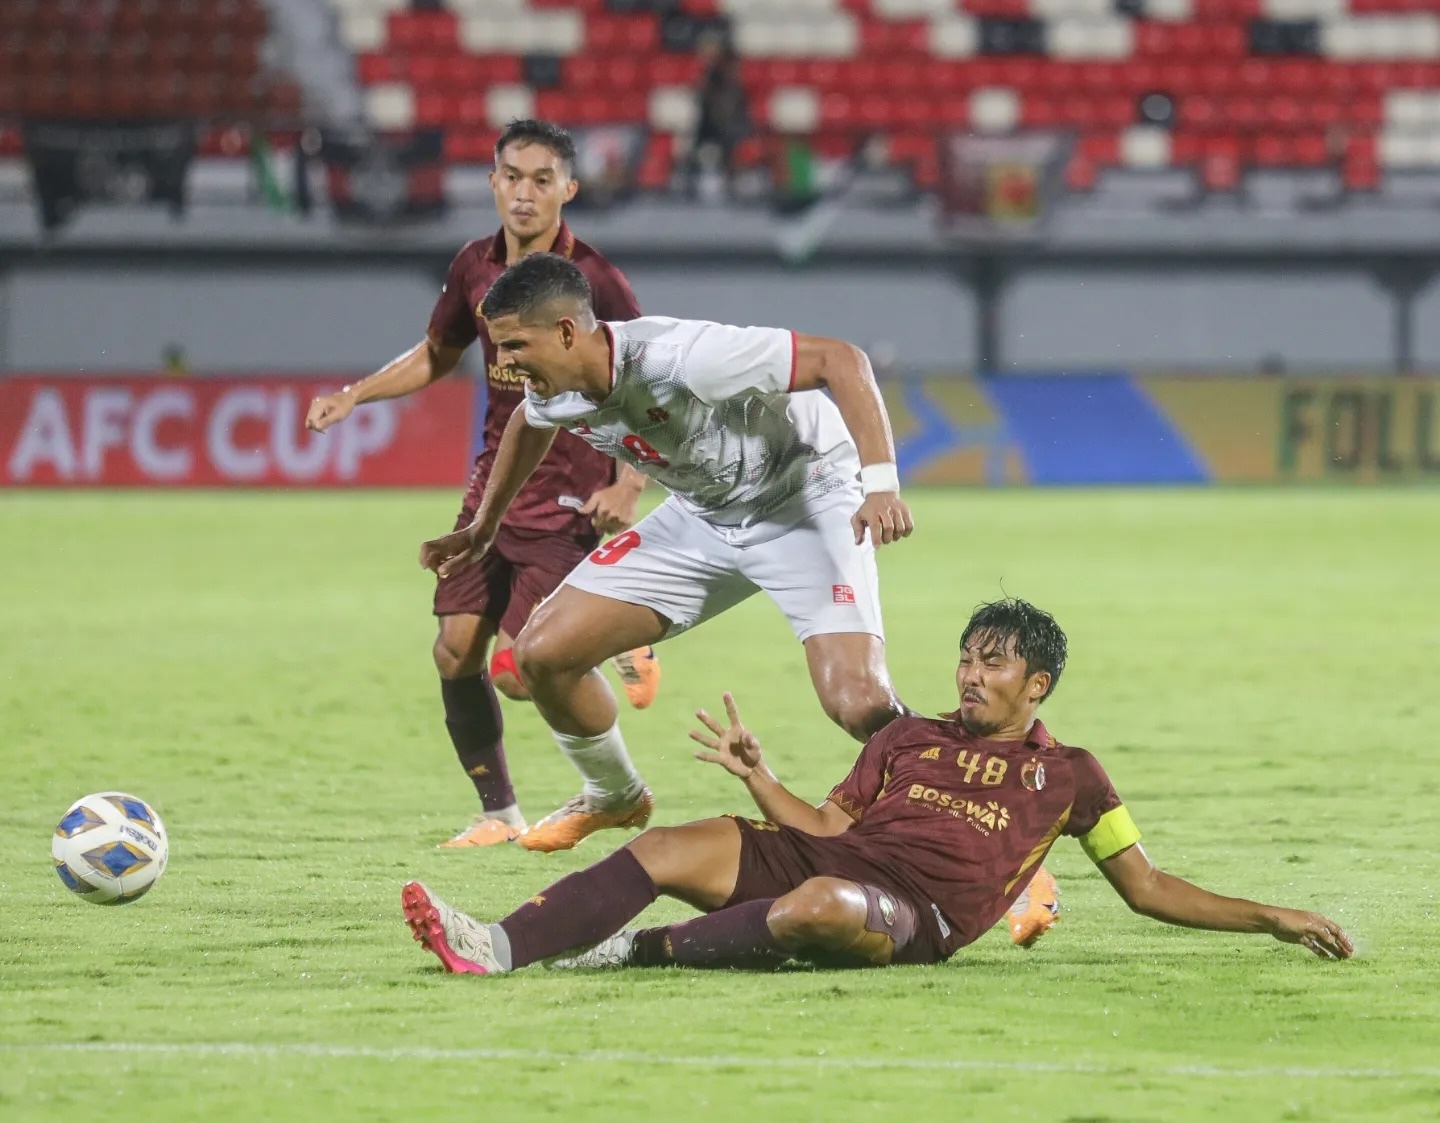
997, 107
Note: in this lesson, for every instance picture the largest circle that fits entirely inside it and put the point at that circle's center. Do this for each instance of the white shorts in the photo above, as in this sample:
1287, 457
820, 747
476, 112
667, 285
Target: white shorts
688, 570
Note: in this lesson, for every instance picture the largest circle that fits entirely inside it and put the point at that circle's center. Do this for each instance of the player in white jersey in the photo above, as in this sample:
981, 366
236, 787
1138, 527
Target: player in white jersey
773, 485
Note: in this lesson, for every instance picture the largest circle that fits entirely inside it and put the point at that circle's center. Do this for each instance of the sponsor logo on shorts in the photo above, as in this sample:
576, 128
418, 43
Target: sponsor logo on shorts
940, 920
887, 911
574, 502
843, 594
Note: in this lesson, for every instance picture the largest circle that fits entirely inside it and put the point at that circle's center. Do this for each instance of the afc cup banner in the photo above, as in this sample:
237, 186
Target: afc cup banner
1119, 428
225, 432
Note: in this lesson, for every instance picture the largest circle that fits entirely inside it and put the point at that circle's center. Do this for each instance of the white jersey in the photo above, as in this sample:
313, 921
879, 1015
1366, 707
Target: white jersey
706, 410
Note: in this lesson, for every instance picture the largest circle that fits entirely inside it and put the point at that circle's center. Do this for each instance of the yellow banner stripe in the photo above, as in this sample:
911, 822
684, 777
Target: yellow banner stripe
1113, 833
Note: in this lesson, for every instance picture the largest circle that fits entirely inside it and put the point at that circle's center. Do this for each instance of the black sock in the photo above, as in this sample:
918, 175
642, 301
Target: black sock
472, 715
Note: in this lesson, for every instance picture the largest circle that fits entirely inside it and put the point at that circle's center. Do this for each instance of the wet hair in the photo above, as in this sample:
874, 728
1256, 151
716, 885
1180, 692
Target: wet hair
533, 283
1039, 640
529, 130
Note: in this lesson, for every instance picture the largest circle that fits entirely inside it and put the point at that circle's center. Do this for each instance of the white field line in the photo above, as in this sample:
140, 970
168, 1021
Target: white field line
820, 1061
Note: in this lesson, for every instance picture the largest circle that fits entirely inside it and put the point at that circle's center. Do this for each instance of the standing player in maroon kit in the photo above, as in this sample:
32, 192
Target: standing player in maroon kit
574, 497
914, 855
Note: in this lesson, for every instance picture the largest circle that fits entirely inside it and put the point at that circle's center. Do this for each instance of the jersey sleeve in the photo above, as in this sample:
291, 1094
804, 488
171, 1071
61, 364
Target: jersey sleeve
613, 297
1098, 819
452, 323
723, 361
533, 417
867, 776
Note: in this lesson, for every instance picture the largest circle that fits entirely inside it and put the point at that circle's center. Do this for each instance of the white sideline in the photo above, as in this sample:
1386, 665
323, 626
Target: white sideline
820, 1060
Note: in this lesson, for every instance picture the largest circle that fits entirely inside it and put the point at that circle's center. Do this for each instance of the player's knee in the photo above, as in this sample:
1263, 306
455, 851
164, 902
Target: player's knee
818, 915
537, 659
449, 660
660, 854
460, 646
510, 686
861, 706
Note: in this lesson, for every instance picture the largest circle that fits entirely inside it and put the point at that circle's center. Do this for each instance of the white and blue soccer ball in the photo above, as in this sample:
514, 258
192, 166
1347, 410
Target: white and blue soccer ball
110, 848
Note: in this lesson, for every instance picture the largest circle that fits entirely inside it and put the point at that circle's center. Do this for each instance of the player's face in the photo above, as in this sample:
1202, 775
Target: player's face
996, 686
543, 353
531, 184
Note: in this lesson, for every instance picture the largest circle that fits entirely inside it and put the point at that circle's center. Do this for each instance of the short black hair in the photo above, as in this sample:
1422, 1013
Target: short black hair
533, 282
530, 130
1039, 640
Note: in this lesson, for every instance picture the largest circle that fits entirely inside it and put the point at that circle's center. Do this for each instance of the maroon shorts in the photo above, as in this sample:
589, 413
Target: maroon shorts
521, 568
774, 860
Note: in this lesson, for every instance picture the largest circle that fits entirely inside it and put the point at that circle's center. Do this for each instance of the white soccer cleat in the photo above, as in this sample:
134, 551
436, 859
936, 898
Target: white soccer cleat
614, 952
460, 942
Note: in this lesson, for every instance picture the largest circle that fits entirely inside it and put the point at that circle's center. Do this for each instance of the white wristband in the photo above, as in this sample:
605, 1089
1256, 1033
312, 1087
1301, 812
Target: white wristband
879, 477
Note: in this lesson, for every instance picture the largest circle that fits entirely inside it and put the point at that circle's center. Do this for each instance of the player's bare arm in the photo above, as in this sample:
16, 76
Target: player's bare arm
520, 452
612, 509
423, 364
844, 370
1152, 892
737, 750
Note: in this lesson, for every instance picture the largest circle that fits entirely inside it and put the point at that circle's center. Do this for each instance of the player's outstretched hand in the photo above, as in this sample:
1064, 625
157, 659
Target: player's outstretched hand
328, 410
735, 749
1311, 930
447, 554
612, 509
886, 516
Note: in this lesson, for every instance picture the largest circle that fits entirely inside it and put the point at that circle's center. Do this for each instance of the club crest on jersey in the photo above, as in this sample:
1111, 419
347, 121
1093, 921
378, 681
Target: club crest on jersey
657, 415
1032, 775
843, 594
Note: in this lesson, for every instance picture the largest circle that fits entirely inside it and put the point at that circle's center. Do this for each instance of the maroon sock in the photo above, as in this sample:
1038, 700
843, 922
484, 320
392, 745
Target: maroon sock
579, 910
472, 715
735, 937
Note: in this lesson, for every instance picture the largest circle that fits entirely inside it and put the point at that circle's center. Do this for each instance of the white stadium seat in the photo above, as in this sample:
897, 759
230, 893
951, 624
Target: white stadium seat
994, 109
954, 37
390, 105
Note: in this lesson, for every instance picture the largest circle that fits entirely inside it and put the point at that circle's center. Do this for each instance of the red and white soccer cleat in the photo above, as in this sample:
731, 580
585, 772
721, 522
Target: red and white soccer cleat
460, 942
577, 820
1036, 910
639, 672
482, 832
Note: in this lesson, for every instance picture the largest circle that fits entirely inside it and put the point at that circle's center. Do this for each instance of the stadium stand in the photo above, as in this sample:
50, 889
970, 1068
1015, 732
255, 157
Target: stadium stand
141, 59
1217, 86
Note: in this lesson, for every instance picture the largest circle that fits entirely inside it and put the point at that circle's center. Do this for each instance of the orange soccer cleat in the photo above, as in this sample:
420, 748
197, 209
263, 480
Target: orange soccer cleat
1036, 909
482, 832
566, 828
639, 671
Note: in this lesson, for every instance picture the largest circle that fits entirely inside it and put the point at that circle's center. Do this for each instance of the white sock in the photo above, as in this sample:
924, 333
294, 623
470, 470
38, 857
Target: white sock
510, 816
610, 778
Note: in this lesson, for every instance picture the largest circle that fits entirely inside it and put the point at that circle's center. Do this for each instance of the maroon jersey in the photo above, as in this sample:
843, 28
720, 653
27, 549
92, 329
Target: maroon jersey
572, 471
959, 822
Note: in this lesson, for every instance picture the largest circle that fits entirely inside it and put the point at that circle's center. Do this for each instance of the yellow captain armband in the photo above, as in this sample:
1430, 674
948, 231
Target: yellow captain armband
1113, 833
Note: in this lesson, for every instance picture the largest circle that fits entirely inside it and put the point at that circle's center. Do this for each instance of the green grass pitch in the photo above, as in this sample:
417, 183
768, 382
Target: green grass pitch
1256, 669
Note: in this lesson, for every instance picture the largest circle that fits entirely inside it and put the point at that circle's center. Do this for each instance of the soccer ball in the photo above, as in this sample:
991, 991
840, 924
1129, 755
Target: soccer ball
110, 848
